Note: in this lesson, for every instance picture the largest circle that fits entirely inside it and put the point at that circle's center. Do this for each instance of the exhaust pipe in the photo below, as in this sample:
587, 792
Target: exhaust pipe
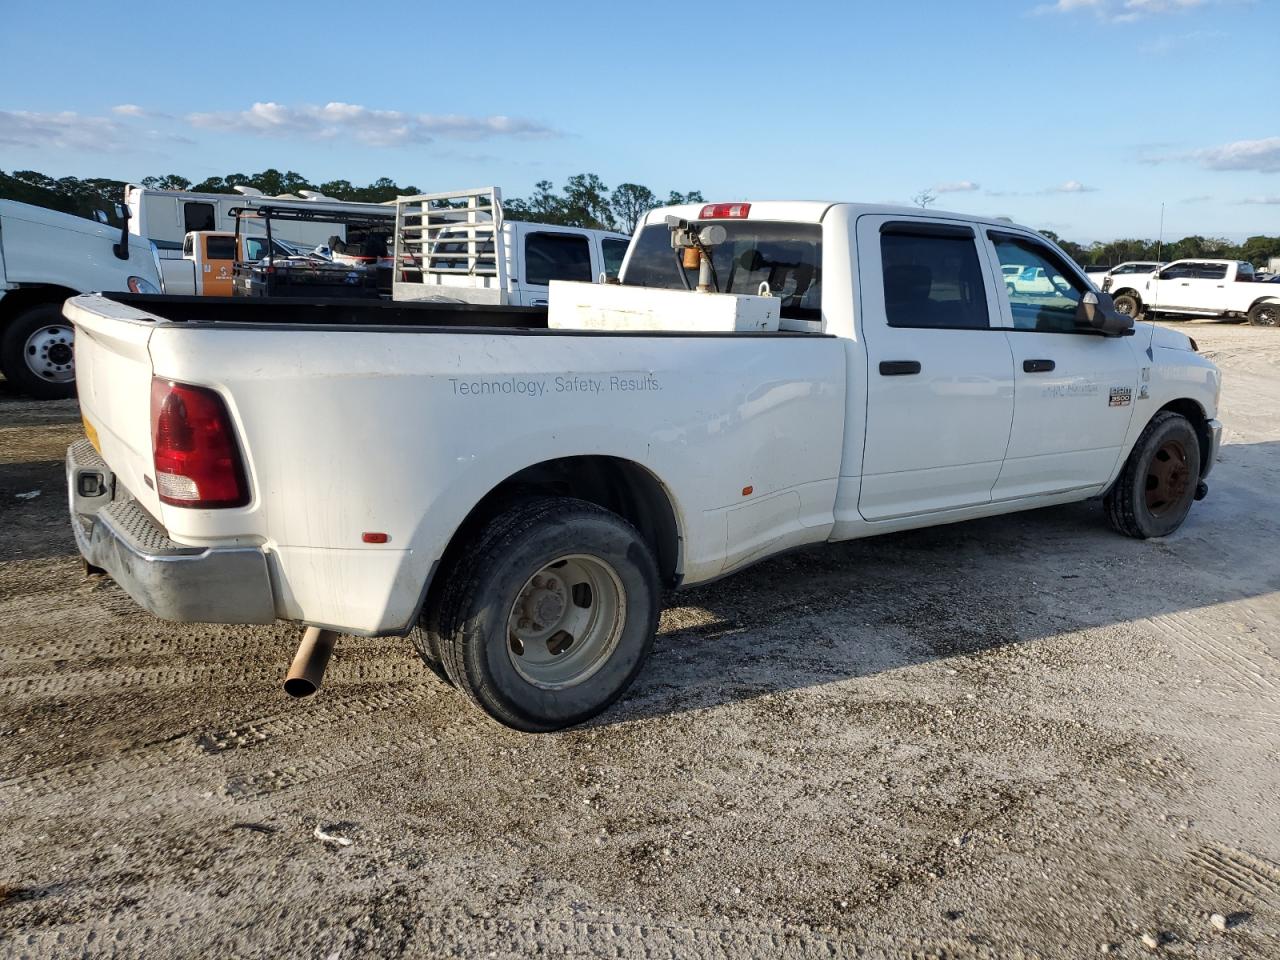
307, 669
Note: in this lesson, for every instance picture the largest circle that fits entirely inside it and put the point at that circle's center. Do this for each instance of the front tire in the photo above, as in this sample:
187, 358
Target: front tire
1153, 494
1127, 305
550, 614
1265, 315
37, 353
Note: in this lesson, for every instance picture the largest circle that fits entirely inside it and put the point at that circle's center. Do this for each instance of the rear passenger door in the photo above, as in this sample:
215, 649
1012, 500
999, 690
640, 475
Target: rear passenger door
1076, 389
552, 255
939, 372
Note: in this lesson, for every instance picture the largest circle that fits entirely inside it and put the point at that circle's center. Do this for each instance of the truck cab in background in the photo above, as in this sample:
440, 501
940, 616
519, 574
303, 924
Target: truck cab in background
209, 257
445, 250
45, 257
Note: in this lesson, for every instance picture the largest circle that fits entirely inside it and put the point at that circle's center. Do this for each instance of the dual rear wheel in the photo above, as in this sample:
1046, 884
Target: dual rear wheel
549, 615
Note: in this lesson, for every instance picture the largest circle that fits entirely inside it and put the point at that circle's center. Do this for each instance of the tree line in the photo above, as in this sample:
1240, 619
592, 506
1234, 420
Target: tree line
1257, 250
583, 201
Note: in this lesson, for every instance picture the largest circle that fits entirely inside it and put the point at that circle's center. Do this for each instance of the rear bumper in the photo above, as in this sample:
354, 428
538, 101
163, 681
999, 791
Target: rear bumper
1215, 445
171, 580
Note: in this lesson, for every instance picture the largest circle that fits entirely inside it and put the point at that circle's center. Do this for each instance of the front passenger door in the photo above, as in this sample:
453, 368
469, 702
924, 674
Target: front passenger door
1075, 389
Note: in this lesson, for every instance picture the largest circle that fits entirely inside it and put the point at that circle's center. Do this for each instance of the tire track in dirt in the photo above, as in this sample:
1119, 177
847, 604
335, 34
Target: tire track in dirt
1238, 874
79, 683
1244, 670
145, 760
517, 936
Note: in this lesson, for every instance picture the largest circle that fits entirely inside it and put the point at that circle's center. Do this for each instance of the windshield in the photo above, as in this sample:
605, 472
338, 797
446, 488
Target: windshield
786, 256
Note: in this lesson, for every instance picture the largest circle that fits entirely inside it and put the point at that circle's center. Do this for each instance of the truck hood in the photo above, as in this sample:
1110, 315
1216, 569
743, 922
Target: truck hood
1158, 336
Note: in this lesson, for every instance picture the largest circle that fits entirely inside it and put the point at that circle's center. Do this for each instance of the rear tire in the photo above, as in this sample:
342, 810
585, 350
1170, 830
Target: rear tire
37, 353
1127, 305
1265, 315
549, 616
1153, 494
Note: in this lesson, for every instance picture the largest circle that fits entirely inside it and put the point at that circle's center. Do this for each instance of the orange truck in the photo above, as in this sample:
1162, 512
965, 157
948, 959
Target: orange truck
208, 262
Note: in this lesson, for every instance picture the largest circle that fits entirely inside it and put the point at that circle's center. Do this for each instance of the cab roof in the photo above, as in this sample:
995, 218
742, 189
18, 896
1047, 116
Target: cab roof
814, 211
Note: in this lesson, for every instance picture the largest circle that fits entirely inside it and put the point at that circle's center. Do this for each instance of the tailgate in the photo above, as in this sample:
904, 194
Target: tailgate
113, 380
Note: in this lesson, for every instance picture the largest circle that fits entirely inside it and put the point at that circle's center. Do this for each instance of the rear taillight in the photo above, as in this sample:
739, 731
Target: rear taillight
725, 211
197, 460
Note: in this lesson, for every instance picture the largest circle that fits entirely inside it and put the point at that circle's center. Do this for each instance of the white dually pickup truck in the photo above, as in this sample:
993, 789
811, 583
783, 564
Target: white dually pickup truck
513, 487
1199, 288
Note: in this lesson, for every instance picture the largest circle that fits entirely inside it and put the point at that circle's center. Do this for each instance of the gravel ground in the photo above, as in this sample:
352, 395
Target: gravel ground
1018, 737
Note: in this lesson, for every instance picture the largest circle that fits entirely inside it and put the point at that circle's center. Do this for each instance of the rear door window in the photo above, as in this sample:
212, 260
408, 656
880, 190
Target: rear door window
556, 256
933, 277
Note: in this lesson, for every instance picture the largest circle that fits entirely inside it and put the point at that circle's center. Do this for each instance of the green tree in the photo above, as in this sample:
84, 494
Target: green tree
628, 203
170, 182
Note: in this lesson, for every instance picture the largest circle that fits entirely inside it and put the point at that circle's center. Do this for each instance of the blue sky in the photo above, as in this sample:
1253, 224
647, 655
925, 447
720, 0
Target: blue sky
1080, 116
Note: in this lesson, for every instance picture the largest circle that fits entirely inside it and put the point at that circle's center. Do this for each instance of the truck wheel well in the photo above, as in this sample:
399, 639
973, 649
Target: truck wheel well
1127, 291
1194, 413
620, 486
16, 301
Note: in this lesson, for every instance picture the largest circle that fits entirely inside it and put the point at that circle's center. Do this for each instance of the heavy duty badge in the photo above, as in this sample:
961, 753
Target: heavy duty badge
1121, 396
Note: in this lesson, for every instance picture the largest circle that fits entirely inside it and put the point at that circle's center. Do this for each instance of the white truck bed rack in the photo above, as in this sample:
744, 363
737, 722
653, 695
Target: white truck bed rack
448, 243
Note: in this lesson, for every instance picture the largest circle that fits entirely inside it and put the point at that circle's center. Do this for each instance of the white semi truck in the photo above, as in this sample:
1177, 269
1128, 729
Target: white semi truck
514, 486
45, 257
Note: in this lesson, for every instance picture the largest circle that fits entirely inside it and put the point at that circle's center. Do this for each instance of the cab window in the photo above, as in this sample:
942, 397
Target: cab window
1047, 299
932, 277
556, 256
198, 216
614, 251
220, 248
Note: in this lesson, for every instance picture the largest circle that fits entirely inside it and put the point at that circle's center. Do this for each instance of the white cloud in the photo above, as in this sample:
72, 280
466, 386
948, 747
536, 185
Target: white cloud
957, 186
1271, 200
129, 110
379, 128
1262, 156
1071, 186
65, 130
1125, 11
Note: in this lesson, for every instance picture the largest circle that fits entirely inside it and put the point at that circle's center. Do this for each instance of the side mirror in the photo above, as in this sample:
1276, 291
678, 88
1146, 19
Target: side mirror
1097, 312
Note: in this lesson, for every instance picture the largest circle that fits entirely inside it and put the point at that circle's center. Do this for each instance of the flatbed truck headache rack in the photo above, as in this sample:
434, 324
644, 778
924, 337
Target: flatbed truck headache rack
316, 276
458, 246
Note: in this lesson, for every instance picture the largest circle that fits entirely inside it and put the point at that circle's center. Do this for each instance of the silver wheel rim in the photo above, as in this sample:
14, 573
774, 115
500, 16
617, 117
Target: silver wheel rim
566, 621
50, 353
1124, 308
1266, 317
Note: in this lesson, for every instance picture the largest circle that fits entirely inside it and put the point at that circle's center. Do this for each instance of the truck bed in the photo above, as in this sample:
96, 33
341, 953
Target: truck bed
331, 312
374, 315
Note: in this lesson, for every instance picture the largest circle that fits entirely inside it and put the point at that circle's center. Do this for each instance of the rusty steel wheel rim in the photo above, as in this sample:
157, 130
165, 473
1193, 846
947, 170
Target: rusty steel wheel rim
1168, 478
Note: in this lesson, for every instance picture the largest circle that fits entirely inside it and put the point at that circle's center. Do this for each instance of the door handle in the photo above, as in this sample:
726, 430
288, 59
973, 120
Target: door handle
899, 368
1037, 366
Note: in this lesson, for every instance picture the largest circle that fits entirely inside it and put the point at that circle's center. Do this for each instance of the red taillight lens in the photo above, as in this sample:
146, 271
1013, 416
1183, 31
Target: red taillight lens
197, 461
725, 211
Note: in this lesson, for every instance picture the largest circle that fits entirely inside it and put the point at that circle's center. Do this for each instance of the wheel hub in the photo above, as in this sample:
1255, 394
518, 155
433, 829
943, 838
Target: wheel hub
49, 353
566, 621
1168, 478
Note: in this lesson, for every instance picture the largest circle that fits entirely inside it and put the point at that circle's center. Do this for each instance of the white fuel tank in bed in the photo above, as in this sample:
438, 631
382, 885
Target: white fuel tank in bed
608, 306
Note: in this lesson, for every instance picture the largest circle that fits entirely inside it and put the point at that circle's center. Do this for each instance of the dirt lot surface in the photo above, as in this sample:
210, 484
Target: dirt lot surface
1020, 737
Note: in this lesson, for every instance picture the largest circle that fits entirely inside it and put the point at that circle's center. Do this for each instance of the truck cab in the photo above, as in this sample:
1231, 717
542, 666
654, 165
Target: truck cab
1199, 288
